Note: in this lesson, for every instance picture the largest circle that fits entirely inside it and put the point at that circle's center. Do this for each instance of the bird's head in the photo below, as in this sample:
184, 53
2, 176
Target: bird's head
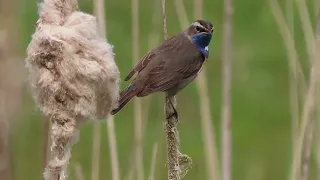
200, 33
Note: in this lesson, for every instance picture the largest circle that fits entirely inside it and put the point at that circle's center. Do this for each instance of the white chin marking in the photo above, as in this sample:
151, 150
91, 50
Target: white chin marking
206, 48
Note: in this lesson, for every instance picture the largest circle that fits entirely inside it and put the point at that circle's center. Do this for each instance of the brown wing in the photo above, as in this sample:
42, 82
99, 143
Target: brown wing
165, 46
141, 64
177, 64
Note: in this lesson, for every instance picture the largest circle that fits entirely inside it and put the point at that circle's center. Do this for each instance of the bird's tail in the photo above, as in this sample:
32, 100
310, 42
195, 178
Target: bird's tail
125, 96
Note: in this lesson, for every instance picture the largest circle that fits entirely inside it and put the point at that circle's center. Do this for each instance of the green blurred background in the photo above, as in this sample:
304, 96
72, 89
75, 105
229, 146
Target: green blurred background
261, 128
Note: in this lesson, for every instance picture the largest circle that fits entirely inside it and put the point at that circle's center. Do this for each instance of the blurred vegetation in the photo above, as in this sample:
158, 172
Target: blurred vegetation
261, 125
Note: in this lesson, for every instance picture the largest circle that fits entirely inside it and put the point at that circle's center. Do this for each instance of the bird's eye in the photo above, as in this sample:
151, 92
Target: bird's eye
198, 28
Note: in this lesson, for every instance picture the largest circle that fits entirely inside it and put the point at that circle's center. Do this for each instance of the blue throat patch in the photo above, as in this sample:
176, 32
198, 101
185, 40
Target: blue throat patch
202, 41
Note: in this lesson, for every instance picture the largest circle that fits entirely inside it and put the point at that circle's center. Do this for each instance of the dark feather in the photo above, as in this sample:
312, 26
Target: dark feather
125, 96
140, 65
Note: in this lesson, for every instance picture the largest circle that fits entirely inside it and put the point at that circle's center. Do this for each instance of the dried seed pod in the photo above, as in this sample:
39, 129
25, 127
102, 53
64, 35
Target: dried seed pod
72, 74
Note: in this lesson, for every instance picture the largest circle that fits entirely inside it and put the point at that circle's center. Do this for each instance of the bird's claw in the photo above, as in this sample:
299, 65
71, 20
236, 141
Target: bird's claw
174, 114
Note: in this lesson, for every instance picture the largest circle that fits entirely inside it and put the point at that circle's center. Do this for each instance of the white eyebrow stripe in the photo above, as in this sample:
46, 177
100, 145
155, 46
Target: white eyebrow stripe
198, 24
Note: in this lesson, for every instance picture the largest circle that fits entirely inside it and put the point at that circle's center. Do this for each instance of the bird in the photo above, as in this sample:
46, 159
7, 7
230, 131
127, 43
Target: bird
171, 66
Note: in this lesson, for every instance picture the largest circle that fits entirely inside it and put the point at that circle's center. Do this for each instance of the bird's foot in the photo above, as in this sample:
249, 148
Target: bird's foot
174, 114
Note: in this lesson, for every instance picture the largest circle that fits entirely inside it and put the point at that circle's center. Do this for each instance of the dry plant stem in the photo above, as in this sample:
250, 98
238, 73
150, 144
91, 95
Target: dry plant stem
113, 149
206, 121
95, 166
303, 145
153, 161
100, 13
95, 163
78, 172
307, 28
307, 149
153, 40
307, 117
293, 87
170, 123
11, 83
288, 40
45, 143
293, 60
182, 14
172, 136
137, 101
309, 106
317, 130
310, 126
164, 20
226, 90
4, 137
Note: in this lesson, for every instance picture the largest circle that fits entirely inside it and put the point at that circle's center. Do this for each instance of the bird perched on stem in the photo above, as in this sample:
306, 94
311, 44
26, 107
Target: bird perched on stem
171, 66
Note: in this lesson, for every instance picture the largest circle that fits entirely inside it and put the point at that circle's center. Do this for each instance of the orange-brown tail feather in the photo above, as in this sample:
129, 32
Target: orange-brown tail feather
125, 96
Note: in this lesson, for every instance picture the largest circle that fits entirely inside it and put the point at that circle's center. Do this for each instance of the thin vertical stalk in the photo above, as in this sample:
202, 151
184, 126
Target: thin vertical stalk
293, 84
310, 127
317, 131
153, 40
206, 120
153, 161
113, 149
226, 90
45, 143
10, 83
304, 142
307, 28
288, 39
137, 102
301, 144
170, 123
100, 12
78, 172
95, 163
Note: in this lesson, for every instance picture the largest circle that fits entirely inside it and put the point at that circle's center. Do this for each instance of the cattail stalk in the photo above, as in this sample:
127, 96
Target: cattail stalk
72, 74
293, 84
137, 102
45, 143
226, 90
95, 166
178, 164
96, 139
304, 142
170, 124
153, 162
153, 40
309, 105
100, 13
210, 147
11, 81
293, 61
113, 149
311, 124
78, 172
317, 124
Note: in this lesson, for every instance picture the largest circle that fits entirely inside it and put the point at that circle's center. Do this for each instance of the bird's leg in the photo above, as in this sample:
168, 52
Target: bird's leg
175, 112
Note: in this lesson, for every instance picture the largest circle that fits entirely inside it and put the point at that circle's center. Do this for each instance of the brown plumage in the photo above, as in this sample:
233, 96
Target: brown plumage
170, 66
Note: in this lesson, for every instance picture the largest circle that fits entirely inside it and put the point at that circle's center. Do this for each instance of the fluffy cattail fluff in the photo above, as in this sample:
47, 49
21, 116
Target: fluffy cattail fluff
72, 74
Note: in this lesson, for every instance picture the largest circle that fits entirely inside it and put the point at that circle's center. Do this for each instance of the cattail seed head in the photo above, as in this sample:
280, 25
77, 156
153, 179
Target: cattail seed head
72, 74
72, 68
